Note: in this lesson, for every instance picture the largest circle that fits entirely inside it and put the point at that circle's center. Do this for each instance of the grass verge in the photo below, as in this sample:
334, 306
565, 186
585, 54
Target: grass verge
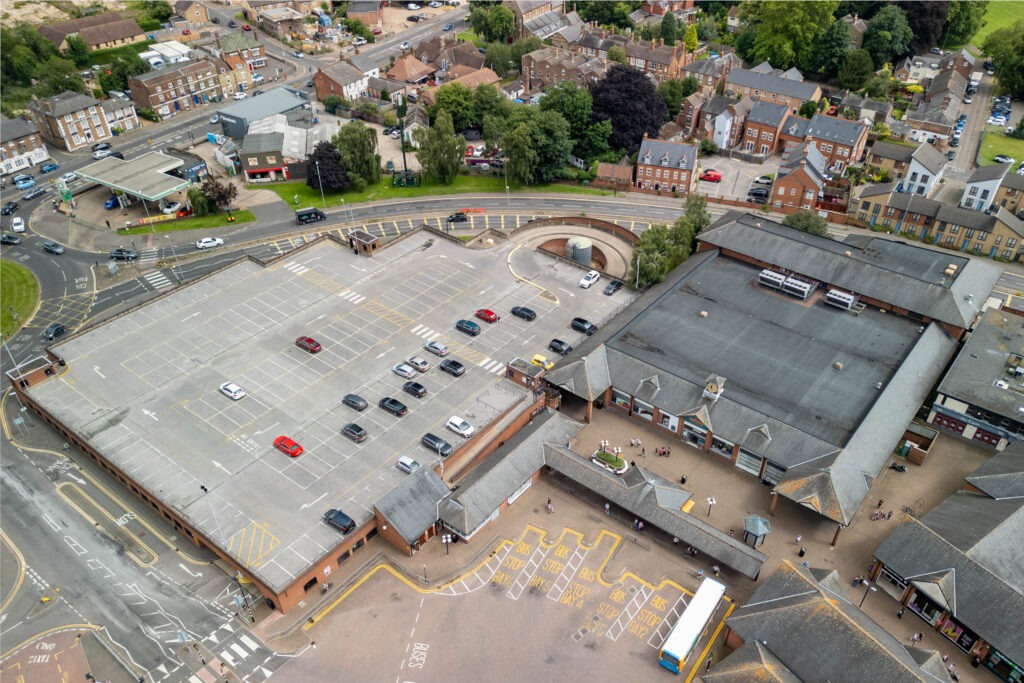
999, 15
19, 292
198, 223
998, 142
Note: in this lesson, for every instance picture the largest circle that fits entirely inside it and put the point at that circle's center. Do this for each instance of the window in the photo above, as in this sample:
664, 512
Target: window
1011, 243
890, 211
969, 233
954, 229
252, 161
999, 240
864, 206
876, 208
271, 159
973, 192
925, 178
950, 239
913, 177
983, 236
1006, 254
984, 194
809, 194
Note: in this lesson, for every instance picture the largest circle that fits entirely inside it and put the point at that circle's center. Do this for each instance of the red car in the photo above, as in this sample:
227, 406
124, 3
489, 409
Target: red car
246, 27
308, 344
288, 445
711, 176
487, 315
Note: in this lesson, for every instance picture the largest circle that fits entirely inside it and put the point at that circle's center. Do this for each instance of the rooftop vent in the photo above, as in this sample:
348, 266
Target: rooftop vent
838, 365
703, 314
950, 270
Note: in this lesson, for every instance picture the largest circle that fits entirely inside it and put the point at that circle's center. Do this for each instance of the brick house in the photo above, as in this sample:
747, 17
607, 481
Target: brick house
762, 128
614, 176
689, 113
656, 59
945, 84
71, 120
281, 22
841, 142
663, 166
711, 73
916, 170
526, 11
934, 119
21, 146
919, 69
793, 132
233, 77
892, 156
444, 54
178, 87
788, 89
962, 62
408, 69
240, 48
801, 178
552, 65
366, 11
195, 13
857, 28
262, 157
99, 31
340, 79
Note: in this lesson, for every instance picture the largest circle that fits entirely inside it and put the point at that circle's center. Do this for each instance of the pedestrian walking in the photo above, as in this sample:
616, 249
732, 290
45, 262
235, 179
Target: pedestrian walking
551, 508
643, 452
632, 442
880, 502
945, 657
916, 638
640, 526
899, 615
108, 225
803, 551
675, 540
950, 668
639, 442
716, 569
636, 524
799, 538
608, 509
700, 573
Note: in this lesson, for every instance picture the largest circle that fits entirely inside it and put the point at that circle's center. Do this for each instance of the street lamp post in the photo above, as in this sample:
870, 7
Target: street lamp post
174, 259
321, 181
869, 588
711, 504
447, 538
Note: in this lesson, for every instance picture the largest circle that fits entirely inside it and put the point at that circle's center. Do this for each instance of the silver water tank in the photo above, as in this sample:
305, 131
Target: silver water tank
579, 249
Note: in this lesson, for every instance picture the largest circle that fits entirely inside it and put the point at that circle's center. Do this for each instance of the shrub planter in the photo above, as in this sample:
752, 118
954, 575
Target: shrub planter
610, 462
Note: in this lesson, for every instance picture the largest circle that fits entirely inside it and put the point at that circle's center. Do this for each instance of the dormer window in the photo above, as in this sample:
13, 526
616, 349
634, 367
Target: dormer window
647, 158
664, 159
682, 162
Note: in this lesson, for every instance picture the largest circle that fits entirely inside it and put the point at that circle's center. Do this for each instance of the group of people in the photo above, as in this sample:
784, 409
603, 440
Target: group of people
664, 451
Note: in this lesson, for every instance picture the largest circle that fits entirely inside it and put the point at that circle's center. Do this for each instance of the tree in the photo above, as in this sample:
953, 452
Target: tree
707, 29
674, 92
549, 140
606, 13
627, 97
807, 221
525, 46
499, 58
157, 9
440, 150
57, 75
808, 109
575, 105
324, 166
669, 28
833, 46
487, 101
785, 33
457, 100
888, 35
122, 69
965, 18
617, 54
1005, 47
358, 147
690, 39
856, 69
521, 158
501, 24
926, 19
198, 201
77, 51
594, 143
707, 147
695, 214
218, 192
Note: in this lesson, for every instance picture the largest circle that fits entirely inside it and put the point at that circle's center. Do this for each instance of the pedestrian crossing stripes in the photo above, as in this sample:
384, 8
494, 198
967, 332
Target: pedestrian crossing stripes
495, 366
352, 297
296, 268
157, 280
424, 332
149, 255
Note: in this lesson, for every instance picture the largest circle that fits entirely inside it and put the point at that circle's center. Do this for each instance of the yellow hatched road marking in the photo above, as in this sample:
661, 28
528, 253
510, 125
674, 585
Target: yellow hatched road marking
250, 546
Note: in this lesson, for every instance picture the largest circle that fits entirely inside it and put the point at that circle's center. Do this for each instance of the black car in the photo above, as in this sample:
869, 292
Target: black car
452, 367
612, 287
232, 24
310, 83
215, 20
8, 238
101, 145
415, 388
9, 208
757, 192
354, 401
393, 406
458, 217
53, 248
437, 444
336, 518
951, 154
120, 254
559, 347
53, 331
757, 200
524, 313
412, 17
583, 325
354, 432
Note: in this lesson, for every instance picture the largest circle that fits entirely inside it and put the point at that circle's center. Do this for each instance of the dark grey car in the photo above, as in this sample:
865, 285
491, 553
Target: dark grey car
355, 401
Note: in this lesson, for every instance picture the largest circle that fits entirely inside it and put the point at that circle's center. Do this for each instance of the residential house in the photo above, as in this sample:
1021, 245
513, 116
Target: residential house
663, 166
1009, 193
254, 7
195, 13
262, 157
282, 22
233, 77
983, 186
689, 113
21, 146
866, 110
733, 24
71, 121
653, 11
892, 156
793, 132
933, 120
552, 65
471, 80
800, 610
98, 31
367, 11
120, 114
710, 73
728, 124
882, 206
958, 566
927, 165
240, 48
340, 79
762, 128
383, 89
857, 27
416, 117
443, 54
918, 69
801, 179
841, 142
788, 89
542, 18
709, 114
178, 87
653, 58
408, 69
946, 84
962, 62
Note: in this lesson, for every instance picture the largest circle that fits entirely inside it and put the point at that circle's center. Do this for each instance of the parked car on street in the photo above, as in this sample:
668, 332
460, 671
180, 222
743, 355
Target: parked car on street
711, 176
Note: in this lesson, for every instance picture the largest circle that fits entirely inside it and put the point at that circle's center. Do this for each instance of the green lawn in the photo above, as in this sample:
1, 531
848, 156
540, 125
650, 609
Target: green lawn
999, 15
19, 292
997, 142
200, 222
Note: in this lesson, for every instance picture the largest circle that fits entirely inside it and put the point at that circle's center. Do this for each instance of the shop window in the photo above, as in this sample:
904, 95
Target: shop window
644, 410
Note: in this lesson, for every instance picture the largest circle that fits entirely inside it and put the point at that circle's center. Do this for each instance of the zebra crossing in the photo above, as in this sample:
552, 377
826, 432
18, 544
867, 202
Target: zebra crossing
149, 255
352, 297
158, 280
296, 268
496, 367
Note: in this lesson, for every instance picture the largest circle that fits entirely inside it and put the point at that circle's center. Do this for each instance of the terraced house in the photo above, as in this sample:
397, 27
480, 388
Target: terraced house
176, 88
75, 121
663, 166
771, 85
658, 60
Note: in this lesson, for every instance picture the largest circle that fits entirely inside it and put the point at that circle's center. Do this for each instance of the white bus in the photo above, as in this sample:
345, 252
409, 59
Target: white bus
691, 626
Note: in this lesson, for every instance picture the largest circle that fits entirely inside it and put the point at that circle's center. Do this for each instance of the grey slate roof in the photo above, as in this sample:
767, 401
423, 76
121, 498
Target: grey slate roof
66, 103
1013, 181
836, 130
916, 203
966, 554
891, 150
717, 104
989, 173
343, 73
411, 507
767, 113
875, 190
929, 157
770, 83
805, 619
12, 129
806, 156
795, 126
671, 154
257, 143
704, 67
908, 276
236, 42
1002, 476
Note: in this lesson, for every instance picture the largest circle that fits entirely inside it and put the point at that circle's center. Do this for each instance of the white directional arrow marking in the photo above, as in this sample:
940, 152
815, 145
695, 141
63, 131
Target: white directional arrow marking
96, 369
150, 413
220, 467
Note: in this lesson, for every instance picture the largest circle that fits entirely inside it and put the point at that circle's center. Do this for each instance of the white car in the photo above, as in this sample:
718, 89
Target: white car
418, 363
257, 78
359, 41
69, 177
589, 279
239, 96
18, 224
436, 348
403, 370
434, 4
460, 426
412, 6
209, 243
405, 45
215, 118
101, 154
232, 390
173, 207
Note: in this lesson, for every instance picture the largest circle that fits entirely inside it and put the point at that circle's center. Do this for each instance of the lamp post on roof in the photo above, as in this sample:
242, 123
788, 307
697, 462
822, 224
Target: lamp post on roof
711, 504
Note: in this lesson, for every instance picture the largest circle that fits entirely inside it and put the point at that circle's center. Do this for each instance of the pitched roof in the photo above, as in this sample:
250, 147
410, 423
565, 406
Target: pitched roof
65, 103
990, 172
259, 143
12, 129
929, 157
770, 83
892, 150
836, 130
795, 126
343, 73
807, 157
704, 67
57, 32
1002, 476
236, 42
947, 81
767, 113
664, 153
409, 69
110, 33
412, 506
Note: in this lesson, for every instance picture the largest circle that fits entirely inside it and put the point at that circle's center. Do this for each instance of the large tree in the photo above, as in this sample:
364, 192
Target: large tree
1005, 47
487, 101
617, 54
926, 19
690, 38
520, 156
606, 13
358, 147
807, 221
627, 98
888, 35
122, 70
965, 18
856, 69
499, 58
674, 92
57, 75
494, 23
219, 192
785, 33
457, 100
574, 104
669, 28
833, 46
440, 150
548, 138
77, 51
324, 166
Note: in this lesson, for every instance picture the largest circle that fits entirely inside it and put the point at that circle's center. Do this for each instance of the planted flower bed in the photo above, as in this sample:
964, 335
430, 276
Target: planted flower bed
609, 461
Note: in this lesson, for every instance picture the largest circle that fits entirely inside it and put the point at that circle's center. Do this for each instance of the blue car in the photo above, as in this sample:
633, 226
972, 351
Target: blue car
48, 167
112, 203
468, 326
24, 183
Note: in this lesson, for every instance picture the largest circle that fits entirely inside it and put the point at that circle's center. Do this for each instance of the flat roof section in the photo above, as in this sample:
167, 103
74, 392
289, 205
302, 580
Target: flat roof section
145, 176
143, 388
776, 352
